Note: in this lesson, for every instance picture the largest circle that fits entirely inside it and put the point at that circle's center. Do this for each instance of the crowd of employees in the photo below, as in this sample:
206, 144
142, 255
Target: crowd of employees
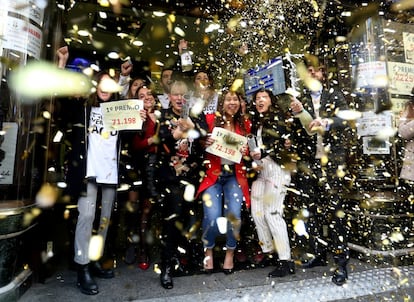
201, 156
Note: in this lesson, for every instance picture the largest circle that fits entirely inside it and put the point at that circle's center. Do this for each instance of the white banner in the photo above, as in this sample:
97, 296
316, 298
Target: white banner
227, 144
122, 115
401, 77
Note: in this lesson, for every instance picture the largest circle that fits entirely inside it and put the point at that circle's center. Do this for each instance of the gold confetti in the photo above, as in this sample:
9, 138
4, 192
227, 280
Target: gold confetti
47, 196
43, 79
95, 247
189, 192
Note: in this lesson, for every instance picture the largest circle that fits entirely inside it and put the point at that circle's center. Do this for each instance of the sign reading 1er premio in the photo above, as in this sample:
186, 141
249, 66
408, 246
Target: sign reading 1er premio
122, 115
227, 144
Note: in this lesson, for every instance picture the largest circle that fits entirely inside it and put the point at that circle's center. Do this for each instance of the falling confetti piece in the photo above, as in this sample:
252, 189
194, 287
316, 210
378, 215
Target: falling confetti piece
95, 247
189, 192
42, 79
222, 224
349, 115
47, 196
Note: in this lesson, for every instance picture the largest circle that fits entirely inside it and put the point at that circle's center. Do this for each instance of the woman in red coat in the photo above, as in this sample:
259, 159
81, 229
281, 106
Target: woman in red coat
224, 187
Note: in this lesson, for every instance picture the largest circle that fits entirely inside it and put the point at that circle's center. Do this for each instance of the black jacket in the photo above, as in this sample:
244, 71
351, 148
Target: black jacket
176, 162
338, 130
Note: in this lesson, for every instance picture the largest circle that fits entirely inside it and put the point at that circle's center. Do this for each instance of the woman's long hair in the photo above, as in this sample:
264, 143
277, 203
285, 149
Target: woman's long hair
93, 99
238, 118
157, 105
129, 93
272, 115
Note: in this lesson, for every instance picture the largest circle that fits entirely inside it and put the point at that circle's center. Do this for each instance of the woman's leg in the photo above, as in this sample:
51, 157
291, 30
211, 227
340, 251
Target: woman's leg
131, 212
228, 264
108, 198
145, 209
278, 182
212, 206
208, 262
84, 225
258, 210
233, 200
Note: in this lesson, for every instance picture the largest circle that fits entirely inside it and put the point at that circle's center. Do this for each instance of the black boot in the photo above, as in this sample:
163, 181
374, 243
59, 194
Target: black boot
283, 268
341, 257
319, 260
98, 271
166, 276
340, 275
130, 254
85, 282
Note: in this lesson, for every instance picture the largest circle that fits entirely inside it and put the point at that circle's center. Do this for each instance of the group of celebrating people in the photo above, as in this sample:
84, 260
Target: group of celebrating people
200, 157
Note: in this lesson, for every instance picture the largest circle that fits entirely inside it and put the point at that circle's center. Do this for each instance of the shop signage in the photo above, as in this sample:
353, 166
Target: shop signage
8, 152
370, 127
369, 74
408, 40
401, 78
22, 27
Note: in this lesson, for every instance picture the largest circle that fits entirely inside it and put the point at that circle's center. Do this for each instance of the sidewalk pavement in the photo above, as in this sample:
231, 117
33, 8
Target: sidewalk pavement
367, 282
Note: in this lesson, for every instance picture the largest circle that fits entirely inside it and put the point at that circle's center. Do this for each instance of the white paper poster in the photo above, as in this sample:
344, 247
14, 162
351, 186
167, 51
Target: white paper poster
401, 77
371, 123
8, 150
227, 144
122, 115
373, 146
408, 39
369, 74
22, 27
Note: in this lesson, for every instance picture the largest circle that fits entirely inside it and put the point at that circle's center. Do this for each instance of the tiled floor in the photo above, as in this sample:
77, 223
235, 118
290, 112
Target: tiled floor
366, 282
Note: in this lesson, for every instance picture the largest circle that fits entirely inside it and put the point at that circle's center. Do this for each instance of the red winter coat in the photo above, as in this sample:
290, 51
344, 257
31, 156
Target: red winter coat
213, 166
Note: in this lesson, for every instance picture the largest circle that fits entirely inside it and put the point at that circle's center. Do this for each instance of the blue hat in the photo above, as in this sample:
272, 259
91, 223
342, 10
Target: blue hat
78, 64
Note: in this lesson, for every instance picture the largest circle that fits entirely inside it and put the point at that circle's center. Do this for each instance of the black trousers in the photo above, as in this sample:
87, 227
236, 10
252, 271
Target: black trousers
178, 216
323, 195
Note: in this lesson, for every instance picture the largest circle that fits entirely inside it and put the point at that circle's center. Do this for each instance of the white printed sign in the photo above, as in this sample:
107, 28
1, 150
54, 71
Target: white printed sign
398, 105
371, 123
22, 36
27, 9
227, 144
122, 115
8, 149
374, 146
368, 74
21, 29
401, 77
408, 39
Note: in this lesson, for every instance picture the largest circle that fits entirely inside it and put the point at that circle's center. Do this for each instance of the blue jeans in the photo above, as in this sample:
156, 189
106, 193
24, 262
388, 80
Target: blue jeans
224, 198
